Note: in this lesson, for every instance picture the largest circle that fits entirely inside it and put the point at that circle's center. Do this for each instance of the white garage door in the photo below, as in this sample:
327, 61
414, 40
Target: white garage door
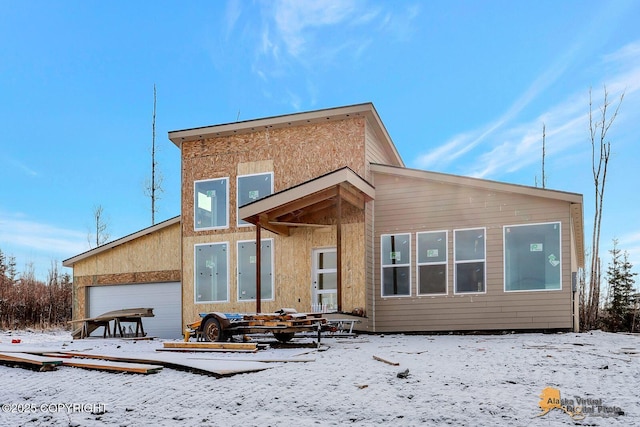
164, 298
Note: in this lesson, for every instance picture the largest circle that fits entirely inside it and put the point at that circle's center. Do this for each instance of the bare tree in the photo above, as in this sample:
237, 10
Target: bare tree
98, 233
544, 179
544, 136
600, 153
154, 186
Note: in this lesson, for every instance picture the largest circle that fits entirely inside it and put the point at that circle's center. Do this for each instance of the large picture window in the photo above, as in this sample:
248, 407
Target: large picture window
532, 258
247, 270
252, 188
211, 204
469, 256
432, 262
211, 279
396, 264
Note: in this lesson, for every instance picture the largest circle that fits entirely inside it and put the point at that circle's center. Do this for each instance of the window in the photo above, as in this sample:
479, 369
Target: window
247, 270
469, 255
432, 262
211, 280
532, 257
396, 264
210, 204
252, 188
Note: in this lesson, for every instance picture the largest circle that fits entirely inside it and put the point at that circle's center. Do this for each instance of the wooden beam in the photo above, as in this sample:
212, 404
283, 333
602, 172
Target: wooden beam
275, 228
302, 202
339, 247
212, 345
258, 269
352, 197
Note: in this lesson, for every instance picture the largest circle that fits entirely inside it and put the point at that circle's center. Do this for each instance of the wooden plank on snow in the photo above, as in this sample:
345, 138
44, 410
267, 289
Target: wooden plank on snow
380, 359
211, 345
106, 365
178, 361
30, 359
206, 350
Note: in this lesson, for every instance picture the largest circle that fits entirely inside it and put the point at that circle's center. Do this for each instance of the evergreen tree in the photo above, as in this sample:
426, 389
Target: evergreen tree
621, 281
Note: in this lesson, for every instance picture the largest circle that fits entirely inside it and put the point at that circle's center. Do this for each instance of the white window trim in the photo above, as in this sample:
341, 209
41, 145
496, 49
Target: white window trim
469, 261
273, 285
382, 267
195, 272
504, 255
445, 262
195, 207
238, 198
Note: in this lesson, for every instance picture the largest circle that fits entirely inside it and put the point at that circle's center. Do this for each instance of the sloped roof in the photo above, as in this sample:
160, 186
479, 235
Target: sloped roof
102, 248
291, 120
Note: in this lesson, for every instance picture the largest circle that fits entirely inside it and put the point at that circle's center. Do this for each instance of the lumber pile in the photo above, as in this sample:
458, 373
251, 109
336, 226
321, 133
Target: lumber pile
52, 361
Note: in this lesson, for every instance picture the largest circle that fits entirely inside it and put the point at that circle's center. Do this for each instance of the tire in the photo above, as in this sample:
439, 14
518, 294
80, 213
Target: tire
283, 336
212, 330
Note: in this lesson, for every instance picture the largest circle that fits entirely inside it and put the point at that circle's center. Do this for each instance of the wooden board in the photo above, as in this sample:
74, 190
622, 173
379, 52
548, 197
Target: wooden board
206, 350
105, 365
26, 348
178, 361
211, 345
31, 359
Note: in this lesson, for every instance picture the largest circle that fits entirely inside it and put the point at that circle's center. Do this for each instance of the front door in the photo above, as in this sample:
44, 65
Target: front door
324, 280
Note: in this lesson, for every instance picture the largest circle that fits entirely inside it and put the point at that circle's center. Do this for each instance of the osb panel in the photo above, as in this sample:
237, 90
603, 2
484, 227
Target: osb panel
158, 251
297, 154
78, 310
250, 168
292, 269
128, 278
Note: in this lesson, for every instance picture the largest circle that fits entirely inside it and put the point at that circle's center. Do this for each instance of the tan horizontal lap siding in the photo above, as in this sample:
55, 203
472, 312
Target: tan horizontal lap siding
376, 151
407, 205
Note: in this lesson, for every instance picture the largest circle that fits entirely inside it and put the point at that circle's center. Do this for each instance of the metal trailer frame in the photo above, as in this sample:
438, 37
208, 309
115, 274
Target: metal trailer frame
220, 327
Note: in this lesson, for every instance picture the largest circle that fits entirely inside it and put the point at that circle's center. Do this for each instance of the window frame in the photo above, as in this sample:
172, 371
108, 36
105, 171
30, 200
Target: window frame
469, 261
195, 204
504, 256
271, 267
195, 272
406, 265
238, 220
445, 263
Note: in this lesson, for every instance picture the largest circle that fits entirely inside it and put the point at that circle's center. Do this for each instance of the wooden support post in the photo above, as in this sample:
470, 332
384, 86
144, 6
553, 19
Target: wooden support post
339, 249
258, 268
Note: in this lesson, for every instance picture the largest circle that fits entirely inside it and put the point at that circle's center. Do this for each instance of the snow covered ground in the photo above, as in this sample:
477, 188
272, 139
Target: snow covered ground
460, 380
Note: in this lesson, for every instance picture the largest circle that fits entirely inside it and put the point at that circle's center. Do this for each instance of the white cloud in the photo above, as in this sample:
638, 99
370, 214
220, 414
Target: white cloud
508, 146
319, 33
28, 235
294, 18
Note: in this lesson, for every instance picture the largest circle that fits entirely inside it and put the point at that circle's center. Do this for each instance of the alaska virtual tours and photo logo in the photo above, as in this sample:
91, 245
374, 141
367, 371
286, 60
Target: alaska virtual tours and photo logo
578, 408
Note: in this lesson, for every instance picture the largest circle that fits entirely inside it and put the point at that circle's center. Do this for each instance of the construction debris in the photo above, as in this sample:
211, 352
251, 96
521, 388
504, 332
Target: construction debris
380, 359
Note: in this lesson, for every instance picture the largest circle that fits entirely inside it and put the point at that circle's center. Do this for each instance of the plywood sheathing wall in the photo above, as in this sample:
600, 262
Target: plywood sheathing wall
151, 258
297, 154
406, 205
294, 155
292, 271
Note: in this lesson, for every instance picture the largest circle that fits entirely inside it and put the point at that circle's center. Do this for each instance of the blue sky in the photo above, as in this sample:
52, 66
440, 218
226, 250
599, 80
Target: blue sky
463, 87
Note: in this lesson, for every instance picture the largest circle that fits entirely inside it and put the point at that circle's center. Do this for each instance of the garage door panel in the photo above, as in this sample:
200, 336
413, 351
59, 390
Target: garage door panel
164, 298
